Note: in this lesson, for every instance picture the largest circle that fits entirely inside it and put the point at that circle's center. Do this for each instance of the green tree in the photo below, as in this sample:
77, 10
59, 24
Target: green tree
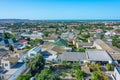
6, 35
76, 65
95, 76
36, 64
46, 34
28, 39
11, 48
110, 67
47, 74
64, 64
79, 74
38, 41
98, 75
9, 36
64, 74
81, 49
24, 77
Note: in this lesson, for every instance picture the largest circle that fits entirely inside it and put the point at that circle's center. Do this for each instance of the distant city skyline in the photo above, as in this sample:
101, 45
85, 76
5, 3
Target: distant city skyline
59, 9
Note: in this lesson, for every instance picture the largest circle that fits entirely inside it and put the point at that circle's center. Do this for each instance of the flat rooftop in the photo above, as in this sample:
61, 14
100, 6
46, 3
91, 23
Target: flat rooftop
12, 59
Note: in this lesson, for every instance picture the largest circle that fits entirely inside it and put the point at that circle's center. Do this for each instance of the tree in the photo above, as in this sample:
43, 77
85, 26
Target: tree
95, 76
64, 74
98, 75
28, 39
110, 67
79, 74
47, 74
81, 49
11, 48
36, 64
46, 34
64, 64
76, 65
38, 41
116, 41
9, 36
24, 77
6, 35
95, 67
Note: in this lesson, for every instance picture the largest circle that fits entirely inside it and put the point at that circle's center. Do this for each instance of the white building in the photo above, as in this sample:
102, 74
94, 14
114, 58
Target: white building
9, 62
36, 50
33, 35
11, 68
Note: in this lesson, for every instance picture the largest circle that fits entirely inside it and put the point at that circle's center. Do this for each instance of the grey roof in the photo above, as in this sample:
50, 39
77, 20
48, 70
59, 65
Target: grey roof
35, 49
7, 41
67, 35
85, 44
72, 56
98, 55
3, 52
99, 41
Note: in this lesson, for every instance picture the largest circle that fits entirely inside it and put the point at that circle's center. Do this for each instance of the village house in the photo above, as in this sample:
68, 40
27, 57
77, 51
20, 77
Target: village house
90, 56
33, 35
49, 39
34, 51
99, 44
84, 45
68, 36
11, 68
9, 62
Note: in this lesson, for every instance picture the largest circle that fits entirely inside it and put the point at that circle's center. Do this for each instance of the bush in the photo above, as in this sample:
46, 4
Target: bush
24, 77
110, 67
64, 75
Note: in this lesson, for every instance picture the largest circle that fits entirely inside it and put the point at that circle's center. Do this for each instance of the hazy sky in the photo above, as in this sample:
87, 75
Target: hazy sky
60, 9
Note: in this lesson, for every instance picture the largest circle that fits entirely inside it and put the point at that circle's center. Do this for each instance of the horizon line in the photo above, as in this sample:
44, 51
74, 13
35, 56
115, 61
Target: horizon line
56, 19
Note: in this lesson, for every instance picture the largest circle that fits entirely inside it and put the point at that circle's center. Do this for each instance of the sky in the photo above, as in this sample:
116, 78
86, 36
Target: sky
59, 9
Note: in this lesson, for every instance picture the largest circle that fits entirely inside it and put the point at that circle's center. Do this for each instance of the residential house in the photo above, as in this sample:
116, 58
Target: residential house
34, 51
49, 55
109, 33
99, 44
3, 53
23, 41
12, 73
90, 56
98, 56
1, 34
59, 49
33, 35
99, 30
7, 42
9, 62
84, 45
72, 57
49, 39
90, 40
61, 42
20, 46
68, 36
98, 35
